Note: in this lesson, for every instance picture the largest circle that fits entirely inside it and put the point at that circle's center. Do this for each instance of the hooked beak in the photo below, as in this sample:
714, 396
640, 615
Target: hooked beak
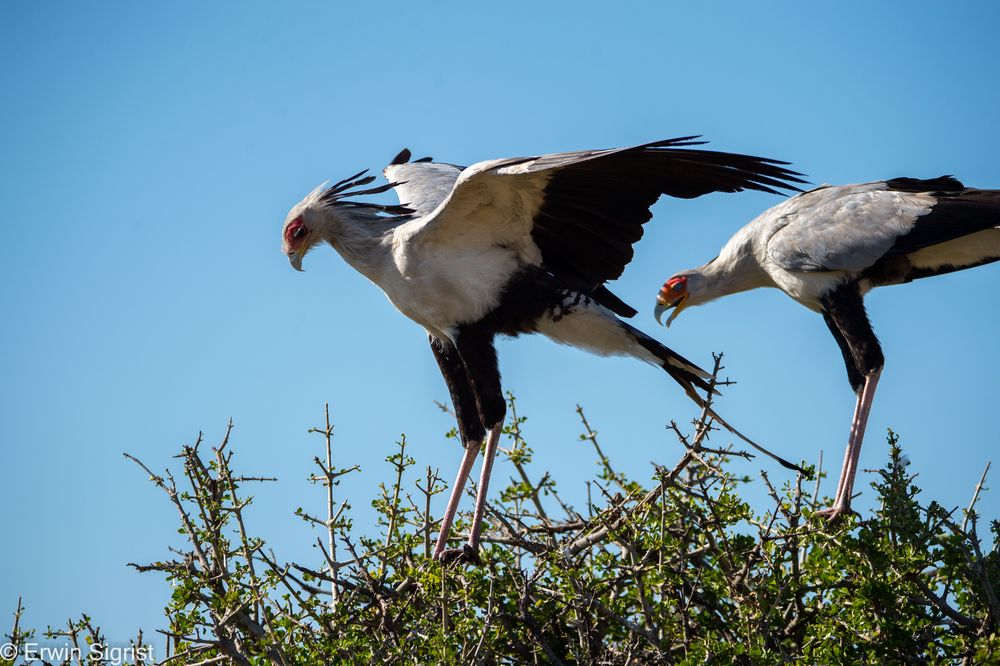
295, 259
662, 306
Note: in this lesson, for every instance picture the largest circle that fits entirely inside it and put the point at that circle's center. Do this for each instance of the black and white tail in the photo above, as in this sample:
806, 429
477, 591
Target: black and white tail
961, 229
683, 371
582, 322
691, 377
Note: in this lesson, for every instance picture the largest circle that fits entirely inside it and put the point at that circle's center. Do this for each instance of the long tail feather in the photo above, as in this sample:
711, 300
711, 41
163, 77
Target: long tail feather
689, 388
781, 461
689, 376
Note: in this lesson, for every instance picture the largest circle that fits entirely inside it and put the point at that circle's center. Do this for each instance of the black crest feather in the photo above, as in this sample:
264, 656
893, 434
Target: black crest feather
402, 158
336, 194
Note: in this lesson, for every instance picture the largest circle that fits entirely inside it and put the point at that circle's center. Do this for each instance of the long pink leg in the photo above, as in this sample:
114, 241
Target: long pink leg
845, 488
849, 451
492, 440
471, 451
867, 397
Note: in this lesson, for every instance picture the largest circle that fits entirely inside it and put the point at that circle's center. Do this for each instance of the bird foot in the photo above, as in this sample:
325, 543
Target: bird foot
834, 513
464, 555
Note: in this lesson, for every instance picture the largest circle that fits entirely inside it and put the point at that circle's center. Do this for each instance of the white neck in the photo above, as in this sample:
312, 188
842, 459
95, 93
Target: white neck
362, 237
736, 269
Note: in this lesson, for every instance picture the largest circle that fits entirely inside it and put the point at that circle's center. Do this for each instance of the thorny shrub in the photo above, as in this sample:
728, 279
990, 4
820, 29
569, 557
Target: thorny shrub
676, 569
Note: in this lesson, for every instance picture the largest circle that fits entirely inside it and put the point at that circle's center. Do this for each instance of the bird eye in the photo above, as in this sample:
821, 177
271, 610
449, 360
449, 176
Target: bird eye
678, 286
295, 230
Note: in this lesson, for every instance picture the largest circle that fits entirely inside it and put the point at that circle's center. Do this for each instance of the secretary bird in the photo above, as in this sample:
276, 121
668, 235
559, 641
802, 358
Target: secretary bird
510, 246
828, 247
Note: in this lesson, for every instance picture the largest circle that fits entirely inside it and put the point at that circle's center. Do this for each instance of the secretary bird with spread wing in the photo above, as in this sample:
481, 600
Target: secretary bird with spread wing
512, 246
828, 247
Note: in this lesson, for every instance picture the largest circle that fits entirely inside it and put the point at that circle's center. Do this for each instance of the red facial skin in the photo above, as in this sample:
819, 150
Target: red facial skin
295, 234
673, 290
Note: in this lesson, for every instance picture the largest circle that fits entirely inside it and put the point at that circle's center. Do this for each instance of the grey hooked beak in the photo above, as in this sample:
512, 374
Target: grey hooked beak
663, 306
295, 259
658, 313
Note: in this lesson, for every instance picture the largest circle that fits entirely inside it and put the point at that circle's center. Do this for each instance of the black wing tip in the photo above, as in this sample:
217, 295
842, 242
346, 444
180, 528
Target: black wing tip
402, 157
781, 182
765, 173
946, 183
697, 140
676, 142
423, 159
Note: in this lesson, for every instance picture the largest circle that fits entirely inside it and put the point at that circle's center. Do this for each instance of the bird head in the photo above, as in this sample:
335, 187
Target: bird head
674, 294
300, 232
297, 237
320, 215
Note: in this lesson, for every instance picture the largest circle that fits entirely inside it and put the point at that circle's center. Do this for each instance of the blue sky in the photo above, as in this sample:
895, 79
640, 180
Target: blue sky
150, 152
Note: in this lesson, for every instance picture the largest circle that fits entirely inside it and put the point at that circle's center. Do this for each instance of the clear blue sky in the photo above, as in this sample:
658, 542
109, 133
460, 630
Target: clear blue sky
150, 152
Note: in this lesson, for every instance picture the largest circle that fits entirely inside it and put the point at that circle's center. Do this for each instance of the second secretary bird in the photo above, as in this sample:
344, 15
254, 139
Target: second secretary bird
828, 247
510, 246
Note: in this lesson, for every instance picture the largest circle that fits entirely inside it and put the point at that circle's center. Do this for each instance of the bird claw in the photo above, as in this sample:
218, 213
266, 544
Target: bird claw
464, 555
834, 513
